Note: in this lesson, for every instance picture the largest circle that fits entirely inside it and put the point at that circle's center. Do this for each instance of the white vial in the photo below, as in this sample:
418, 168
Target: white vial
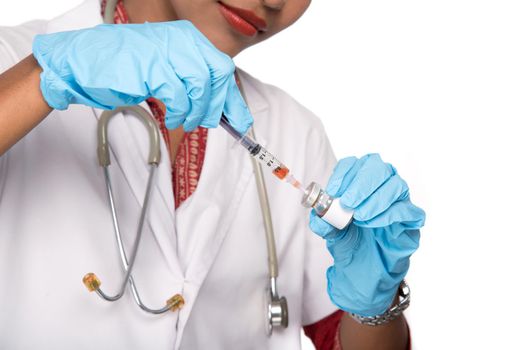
326, 207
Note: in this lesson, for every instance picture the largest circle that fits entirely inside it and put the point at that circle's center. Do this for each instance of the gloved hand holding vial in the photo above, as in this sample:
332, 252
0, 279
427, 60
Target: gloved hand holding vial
384, 232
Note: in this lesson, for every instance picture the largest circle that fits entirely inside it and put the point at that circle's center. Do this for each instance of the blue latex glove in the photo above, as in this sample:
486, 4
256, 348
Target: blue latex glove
371, 255
120, 65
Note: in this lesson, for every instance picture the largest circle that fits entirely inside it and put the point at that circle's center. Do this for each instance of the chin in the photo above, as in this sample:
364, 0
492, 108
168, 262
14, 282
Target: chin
225, 44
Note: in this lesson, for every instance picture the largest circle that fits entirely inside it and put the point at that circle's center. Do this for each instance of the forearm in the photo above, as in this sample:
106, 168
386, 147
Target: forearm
22, 105
393, 335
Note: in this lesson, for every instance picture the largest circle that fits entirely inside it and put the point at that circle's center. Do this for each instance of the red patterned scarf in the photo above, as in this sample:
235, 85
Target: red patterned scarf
191, 151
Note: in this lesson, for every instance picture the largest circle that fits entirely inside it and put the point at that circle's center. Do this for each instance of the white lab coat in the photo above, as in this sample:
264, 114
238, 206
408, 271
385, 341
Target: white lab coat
55, 226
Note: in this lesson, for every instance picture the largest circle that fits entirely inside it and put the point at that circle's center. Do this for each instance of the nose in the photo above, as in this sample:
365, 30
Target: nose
274, 4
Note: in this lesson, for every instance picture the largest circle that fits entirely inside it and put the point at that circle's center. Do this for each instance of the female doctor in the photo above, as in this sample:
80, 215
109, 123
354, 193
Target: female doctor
204, 234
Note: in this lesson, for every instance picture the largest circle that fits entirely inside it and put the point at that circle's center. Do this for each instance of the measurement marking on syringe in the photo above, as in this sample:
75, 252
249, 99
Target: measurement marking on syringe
262, 155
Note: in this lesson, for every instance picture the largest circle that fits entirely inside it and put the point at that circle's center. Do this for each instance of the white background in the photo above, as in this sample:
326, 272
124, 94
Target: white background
437, 88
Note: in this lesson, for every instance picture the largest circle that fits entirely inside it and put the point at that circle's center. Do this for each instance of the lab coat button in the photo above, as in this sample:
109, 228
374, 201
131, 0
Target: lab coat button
176, 302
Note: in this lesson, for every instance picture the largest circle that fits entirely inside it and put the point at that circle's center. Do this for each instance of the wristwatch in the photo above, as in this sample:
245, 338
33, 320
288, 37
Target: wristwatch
393, 312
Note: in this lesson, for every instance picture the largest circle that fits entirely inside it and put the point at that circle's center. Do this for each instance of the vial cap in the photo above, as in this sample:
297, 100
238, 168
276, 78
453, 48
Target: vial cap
311, 195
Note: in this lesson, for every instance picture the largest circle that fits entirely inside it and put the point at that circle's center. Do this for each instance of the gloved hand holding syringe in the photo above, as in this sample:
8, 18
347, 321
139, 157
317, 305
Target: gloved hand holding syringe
314, 196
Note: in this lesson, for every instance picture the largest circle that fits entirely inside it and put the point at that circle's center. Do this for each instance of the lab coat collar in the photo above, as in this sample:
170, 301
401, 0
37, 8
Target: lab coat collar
254, 99
85, 15
209, 212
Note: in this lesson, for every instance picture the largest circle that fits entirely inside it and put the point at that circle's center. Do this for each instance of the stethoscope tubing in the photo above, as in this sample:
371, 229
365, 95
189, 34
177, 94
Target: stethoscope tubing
153, 161
278, 318
123, 256
128, 267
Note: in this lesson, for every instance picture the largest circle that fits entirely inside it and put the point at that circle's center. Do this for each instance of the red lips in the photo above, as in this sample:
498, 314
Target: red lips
244, 21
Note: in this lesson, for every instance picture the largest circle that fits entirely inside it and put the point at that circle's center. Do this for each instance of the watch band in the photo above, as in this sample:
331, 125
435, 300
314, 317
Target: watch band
390, 314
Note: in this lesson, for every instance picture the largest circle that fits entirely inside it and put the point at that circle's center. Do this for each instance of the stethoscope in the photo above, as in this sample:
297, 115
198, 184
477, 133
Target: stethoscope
276, 306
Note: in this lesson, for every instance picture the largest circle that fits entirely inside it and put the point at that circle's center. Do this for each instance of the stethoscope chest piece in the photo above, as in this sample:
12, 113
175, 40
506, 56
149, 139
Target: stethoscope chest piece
277, 312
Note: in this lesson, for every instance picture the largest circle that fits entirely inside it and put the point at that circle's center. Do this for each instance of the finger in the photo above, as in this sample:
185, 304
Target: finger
202, 68
219, 90
216, 105
371, 175
113, 93
236, 110
198, 89
403, 213
397, 244
337, 177
173, 94
225, 96
324, 229
319, 226
343, 246
191, 68
199, 98
393, 190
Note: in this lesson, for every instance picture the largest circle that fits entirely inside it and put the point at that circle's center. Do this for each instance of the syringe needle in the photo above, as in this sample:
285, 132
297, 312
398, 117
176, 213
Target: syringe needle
295, 183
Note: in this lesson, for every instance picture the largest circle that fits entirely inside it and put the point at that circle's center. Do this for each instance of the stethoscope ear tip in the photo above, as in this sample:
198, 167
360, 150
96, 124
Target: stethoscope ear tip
91, 281
175, 302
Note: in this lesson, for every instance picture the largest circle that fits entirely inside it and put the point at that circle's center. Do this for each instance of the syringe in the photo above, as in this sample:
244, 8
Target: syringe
262, 155
327, 207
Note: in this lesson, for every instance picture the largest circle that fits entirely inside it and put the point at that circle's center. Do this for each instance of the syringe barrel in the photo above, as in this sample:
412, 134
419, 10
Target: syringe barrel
262, 155
247, 142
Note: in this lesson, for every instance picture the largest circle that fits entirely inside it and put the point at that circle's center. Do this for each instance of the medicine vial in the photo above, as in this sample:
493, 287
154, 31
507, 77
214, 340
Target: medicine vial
326, 207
